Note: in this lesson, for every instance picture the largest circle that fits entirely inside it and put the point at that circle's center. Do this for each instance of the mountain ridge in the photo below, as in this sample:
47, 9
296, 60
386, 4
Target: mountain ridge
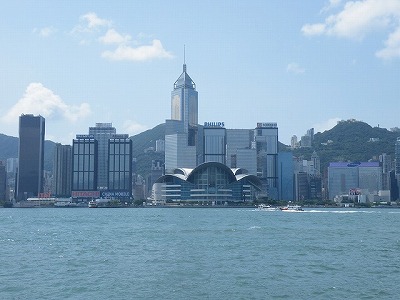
349, 140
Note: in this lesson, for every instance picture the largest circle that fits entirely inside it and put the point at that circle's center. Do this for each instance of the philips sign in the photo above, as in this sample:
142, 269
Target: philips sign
214, 124
267, 125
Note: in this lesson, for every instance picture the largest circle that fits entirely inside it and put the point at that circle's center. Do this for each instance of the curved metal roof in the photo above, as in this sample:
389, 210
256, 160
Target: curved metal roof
210, 164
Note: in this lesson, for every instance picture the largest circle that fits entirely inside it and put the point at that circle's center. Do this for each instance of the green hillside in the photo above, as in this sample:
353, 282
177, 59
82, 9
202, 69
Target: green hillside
351, 140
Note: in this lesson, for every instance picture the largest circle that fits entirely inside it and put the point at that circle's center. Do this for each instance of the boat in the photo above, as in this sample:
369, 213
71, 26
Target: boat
290, 208
266, 207
92, 204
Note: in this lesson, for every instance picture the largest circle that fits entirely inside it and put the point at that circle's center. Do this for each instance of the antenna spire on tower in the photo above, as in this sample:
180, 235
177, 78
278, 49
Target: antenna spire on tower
184, 58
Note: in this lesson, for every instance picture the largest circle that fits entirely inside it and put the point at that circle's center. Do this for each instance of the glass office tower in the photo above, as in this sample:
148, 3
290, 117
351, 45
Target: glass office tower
119, 165
84, 163
31, 156
266, 139
62, 170
214, 144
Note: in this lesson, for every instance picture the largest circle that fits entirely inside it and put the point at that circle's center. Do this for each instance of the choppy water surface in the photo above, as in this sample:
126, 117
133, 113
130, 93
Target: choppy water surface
196, 253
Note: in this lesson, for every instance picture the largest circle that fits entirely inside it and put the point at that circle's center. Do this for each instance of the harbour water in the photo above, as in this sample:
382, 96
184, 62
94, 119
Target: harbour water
199, 253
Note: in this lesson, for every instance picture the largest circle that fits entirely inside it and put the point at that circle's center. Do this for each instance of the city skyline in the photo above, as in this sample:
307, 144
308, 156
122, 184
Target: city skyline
302, 65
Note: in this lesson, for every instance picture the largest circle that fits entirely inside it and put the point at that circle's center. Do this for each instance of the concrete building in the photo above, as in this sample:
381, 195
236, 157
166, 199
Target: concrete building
30, 156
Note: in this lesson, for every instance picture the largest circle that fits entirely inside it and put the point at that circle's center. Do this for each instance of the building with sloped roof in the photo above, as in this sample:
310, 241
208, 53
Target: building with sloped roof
208, 183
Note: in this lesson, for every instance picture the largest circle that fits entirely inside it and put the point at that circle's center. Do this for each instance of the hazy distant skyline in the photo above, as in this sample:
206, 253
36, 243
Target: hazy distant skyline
301, 64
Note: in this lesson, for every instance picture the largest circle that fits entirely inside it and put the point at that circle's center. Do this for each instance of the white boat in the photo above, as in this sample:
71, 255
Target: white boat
92, 204
266, 207
291, 208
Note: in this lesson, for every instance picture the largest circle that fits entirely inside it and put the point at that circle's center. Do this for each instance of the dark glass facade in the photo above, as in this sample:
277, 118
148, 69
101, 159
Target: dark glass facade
62, 170
84, 163
31, 156
119, 164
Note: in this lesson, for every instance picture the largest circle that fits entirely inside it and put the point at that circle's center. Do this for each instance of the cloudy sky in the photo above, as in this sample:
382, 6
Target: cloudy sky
301, 64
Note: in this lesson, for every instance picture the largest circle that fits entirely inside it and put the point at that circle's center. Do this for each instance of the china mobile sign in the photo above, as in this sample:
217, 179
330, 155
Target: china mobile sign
115, 194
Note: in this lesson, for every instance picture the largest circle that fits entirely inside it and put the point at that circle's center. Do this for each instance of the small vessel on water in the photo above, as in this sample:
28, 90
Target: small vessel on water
291, 208
92, 204
266, 207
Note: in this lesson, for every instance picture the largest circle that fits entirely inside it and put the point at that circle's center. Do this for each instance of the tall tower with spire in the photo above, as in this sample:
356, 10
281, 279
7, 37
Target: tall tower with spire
182, 129
184, 105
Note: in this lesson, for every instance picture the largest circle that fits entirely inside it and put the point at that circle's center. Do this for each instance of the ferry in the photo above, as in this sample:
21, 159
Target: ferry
92, 204
265, 207
290, 208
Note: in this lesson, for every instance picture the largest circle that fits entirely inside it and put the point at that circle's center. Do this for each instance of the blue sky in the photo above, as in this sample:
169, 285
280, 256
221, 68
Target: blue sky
301, 64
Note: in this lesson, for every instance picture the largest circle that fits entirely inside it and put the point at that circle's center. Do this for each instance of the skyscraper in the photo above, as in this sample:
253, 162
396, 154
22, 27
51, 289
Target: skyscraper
62, 170
184, 105
214, 137
181, 133
397, 158
30, 156
119, 167
3, 182
266, 140
84, 164
102, 132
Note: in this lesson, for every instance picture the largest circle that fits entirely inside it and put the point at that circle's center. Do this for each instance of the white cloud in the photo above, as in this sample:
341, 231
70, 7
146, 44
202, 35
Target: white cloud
327, 125
140, 53
313, 29
93, 21
90, 22
39, 100
358, 18
295, 68
331, 5
132, 127
45, 31
113, 37
392, 48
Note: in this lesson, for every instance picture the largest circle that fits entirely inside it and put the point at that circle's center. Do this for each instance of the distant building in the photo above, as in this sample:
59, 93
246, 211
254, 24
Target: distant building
294, 142
3, 182
397, 158
160, 145
62, 170
343, 177
301, 186
30, 156
12, 165
266, 141
239, 150
286, 176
